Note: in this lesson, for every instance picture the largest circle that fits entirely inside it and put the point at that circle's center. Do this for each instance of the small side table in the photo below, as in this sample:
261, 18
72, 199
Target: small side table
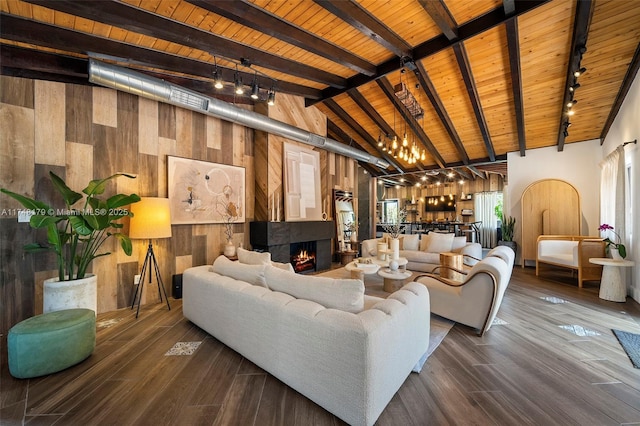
452, 260
347, 256
393, 279
611, 286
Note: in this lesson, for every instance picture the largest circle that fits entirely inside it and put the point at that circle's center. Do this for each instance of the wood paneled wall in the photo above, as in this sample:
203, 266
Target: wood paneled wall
84, 132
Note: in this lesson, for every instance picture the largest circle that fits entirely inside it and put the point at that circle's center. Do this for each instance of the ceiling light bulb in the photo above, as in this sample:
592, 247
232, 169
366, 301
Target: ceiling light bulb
217, 79
423, 178
580, 72
405, 142
574, 87
461, 181
238, 85
571, 103
418, 184
255, 90
423, 156
394, 145
271, 99
570, 112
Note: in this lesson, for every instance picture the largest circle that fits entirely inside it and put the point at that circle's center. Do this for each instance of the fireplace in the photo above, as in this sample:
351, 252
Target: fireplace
285, 239
303, 256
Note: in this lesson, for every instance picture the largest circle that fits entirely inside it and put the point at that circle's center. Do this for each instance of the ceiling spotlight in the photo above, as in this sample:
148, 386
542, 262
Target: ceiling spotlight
461, 181
574, 86
567, 124
217, 79
418, 184
397, 186
570, 112
238, 84
450, 174
271, 97
580, 72
255, 89
571, 103
401, 179
423, 178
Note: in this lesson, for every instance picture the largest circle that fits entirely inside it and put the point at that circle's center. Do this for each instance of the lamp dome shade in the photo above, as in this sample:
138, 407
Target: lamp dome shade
151, 219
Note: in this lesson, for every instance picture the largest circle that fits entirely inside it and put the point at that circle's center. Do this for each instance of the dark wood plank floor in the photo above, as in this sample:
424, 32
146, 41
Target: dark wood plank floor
528, 370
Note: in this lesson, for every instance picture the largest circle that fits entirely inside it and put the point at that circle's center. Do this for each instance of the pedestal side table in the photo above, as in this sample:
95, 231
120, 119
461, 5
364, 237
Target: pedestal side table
393, 280
612, 287
453, 260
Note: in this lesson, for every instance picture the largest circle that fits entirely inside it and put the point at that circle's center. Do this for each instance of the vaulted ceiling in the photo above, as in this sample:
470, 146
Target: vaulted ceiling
487, 77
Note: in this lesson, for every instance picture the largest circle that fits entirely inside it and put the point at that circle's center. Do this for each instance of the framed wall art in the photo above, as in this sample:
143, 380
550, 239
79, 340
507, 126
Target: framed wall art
302, 199
204, 192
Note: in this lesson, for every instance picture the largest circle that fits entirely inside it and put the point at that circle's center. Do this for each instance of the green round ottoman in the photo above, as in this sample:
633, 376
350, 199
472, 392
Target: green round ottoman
51, 342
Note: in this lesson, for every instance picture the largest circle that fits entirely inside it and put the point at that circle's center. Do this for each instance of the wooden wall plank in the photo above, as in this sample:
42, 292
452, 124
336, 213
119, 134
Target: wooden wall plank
166, 147
127, 134
16, 91
49, 132
214, 132
183, 133
184, 262
198, 137
79, 111
147, 126
126, 272
166, 121
105, 157
105, 108
17, 146
78, 173
228, 147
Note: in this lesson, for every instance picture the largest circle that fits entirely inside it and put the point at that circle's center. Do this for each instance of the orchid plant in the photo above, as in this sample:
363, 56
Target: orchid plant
616, 245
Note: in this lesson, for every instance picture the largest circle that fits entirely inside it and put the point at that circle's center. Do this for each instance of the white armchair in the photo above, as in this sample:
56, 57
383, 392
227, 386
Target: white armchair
475, 300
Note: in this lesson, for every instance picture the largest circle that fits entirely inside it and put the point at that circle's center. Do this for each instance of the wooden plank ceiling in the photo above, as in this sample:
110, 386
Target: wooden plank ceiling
490, 76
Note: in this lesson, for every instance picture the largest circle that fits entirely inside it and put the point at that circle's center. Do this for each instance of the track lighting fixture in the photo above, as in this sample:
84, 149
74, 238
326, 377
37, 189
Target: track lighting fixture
271, 97
255, 89
579, 72
571, 103
237, 83
567, 124
574, 86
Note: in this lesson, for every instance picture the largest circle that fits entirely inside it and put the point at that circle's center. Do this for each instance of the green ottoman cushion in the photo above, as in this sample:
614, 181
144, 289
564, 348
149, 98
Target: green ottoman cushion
51, 342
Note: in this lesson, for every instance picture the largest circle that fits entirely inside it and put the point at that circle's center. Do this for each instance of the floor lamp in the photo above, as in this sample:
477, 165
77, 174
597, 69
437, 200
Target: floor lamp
151, 220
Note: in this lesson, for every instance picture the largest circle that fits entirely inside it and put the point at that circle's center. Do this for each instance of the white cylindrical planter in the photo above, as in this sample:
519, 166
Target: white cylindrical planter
381, 251
59, 295
394, 246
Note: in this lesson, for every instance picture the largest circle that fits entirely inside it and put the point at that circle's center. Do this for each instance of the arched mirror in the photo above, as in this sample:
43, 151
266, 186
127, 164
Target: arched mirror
345, 217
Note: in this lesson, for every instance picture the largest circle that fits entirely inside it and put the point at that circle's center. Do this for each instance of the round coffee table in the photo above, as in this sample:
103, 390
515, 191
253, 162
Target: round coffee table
402, 262
393, 280
611, 285
359, 270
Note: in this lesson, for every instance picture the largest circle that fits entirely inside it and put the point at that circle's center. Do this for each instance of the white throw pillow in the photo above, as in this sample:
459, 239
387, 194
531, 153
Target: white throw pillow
252, 274
411, 242
435, 242
459, 242
343, 294
283, 266
253, 257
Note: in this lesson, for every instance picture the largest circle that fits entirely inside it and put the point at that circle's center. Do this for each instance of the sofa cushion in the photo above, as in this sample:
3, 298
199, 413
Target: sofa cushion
252, 274
283, 266
458, 242
435, 242
370, 247
421, 256
410, 242
343, 294
253, 257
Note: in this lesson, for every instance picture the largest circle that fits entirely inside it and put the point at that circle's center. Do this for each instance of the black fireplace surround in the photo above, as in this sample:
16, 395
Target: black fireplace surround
277, 237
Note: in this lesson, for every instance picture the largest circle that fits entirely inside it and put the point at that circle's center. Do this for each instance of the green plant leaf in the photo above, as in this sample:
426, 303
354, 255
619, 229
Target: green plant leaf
70, 196
80, 225
120, 200
125, 243
40, 221
622, 250
36, 248
29, 203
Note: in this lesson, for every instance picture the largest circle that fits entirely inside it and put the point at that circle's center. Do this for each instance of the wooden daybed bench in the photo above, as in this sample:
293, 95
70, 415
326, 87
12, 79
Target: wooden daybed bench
571, 251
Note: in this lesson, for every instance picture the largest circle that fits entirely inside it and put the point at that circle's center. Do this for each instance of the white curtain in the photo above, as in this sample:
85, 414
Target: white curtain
612, 193
484, 211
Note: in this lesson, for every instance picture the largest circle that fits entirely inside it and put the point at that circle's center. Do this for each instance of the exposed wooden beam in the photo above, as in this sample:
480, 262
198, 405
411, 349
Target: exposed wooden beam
509, 7
37, 33
431, 47
430, 90
338, 134
475, 172
424, 140
46, 62
582, 20
356, 127
474, 97
372, 113
141, 21
258, 19
442, 17
516, 81
357, 17
622, 93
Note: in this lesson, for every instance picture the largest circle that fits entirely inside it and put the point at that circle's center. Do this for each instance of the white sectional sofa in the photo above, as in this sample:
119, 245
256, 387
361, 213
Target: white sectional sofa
423, 253
349, 354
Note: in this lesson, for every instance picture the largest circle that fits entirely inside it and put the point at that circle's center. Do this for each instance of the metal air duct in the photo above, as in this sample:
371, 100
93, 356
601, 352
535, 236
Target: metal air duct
129, 81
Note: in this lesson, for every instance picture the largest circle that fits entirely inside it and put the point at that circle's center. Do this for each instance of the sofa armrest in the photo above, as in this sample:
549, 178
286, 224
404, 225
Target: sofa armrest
436, 277
471, 252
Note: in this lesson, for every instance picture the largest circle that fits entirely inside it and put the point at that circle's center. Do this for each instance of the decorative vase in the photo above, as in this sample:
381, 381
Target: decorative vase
615, 254
394, 245
393, 265
381, 251
82, 293
354, 237
229, 249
